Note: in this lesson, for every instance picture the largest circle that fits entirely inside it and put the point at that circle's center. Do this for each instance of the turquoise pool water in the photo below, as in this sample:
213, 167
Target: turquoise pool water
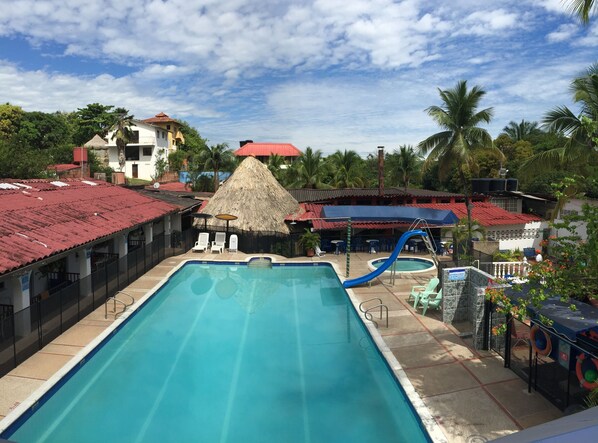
406, 264
233, 354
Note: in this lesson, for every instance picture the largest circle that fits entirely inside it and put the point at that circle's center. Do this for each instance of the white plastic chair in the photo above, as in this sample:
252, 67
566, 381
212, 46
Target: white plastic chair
219, 242
318, 251
201, 245
233, 243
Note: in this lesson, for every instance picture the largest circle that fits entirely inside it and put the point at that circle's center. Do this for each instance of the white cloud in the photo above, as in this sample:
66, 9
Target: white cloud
332, 74
50, 92
489, 22
563, 33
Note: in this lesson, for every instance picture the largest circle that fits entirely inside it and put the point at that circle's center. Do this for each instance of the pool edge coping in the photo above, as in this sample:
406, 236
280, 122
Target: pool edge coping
29, 404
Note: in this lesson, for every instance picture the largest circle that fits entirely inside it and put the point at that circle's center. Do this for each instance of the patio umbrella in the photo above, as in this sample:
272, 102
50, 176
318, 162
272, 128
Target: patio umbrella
203, 215
227, 217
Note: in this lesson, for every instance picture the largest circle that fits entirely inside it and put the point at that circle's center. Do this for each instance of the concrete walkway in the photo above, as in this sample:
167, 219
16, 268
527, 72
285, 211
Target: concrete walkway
472, 397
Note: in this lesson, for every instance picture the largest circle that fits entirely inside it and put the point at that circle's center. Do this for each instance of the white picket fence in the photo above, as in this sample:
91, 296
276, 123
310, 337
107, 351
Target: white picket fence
504, 269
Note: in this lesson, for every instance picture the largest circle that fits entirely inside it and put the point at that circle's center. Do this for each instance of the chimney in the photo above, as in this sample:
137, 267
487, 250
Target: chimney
244, 142
380, 170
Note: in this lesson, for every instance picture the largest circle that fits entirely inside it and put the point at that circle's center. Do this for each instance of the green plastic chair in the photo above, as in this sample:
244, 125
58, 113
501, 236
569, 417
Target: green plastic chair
427, 302
419, 290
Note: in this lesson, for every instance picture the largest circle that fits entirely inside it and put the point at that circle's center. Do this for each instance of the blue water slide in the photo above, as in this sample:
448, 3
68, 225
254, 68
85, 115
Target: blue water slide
388, 263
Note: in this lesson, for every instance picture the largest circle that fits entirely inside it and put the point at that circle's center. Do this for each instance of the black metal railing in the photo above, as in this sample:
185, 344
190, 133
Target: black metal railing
25, 332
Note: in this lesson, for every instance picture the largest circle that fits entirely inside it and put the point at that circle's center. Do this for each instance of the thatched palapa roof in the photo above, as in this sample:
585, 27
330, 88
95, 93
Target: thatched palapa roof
255, 197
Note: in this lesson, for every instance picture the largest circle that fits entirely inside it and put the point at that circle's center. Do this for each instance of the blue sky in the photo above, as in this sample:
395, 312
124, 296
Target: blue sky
330, 74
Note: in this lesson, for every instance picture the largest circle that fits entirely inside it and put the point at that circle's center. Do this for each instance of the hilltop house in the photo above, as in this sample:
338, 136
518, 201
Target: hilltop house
153, 139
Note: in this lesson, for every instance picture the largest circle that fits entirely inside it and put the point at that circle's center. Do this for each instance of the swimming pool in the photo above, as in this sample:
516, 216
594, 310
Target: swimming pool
232, 353
404, 264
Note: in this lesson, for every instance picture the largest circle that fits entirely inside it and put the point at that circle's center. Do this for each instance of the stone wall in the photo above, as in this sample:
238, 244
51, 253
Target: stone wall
463, 294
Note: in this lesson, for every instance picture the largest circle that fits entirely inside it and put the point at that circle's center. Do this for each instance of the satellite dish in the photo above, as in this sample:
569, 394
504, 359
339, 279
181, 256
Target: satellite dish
156, 185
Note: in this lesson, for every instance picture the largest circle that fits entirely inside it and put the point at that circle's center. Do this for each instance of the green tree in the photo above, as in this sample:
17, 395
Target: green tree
176, 160
461, 137
122, 135
42, 131
520, 131
275, 166
463, 231
310, 169
345, 167
22, 163
94, 119
407, 165
580, 147
583, 9
194, 142
216, 158
10, 119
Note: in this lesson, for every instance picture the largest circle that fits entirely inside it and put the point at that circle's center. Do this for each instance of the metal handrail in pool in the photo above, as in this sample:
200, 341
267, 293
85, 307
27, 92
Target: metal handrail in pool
369, 316
114, 300
367, 301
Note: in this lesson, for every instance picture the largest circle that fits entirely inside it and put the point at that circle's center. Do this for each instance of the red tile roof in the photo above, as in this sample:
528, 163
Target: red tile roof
485, 213
267, 149
310, 211
39, 219
159, 118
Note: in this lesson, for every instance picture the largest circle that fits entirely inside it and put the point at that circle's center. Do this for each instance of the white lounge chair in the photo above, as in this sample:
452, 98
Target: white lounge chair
218, 243
319, 252
202, 243
233, 243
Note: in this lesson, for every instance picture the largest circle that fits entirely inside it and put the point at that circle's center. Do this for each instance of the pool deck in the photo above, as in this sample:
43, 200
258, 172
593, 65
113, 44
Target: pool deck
470, 394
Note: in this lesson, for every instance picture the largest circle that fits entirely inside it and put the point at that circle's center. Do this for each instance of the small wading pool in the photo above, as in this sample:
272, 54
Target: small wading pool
404, 264
231, 353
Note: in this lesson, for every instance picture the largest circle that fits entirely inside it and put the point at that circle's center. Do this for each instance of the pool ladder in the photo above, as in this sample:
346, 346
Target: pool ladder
367, 311
116, 300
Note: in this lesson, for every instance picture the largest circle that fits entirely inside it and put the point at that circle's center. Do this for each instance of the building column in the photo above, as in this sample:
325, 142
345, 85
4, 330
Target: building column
175, 222
167, 225
83, 257
121, 246
148, 232
21, 297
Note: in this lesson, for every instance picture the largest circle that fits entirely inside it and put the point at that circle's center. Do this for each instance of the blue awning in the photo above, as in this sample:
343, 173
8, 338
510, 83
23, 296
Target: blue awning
406, 214
566, 321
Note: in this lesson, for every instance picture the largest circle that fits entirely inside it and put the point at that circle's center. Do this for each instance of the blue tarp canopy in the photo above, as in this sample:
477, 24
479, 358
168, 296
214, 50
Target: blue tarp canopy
567, 322
405, 214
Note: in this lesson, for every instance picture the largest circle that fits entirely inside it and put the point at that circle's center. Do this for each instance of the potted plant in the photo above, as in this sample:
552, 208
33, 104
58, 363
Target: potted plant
309, 240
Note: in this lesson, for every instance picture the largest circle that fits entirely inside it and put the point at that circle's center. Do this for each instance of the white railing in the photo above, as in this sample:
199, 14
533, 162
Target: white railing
510, 268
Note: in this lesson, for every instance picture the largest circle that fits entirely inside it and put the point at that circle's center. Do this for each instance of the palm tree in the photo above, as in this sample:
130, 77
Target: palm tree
520, 131
123, 134
346, 169
582, 130
407, 164
215, 158
582, 9
275, 163
460, 139
310, 169
465, 230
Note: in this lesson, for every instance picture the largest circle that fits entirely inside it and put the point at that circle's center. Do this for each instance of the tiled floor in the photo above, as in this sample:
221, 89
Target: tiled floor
470, 394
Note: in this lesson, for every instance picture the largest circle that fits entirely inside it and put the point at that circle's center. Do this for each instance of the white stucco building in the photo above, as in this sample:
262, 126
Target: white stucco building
154, 138
574, 206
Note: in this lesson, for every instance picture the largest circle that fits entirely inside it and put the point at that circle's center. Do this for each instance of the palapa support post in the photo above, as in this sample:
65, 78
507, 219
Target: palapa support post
348, 247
